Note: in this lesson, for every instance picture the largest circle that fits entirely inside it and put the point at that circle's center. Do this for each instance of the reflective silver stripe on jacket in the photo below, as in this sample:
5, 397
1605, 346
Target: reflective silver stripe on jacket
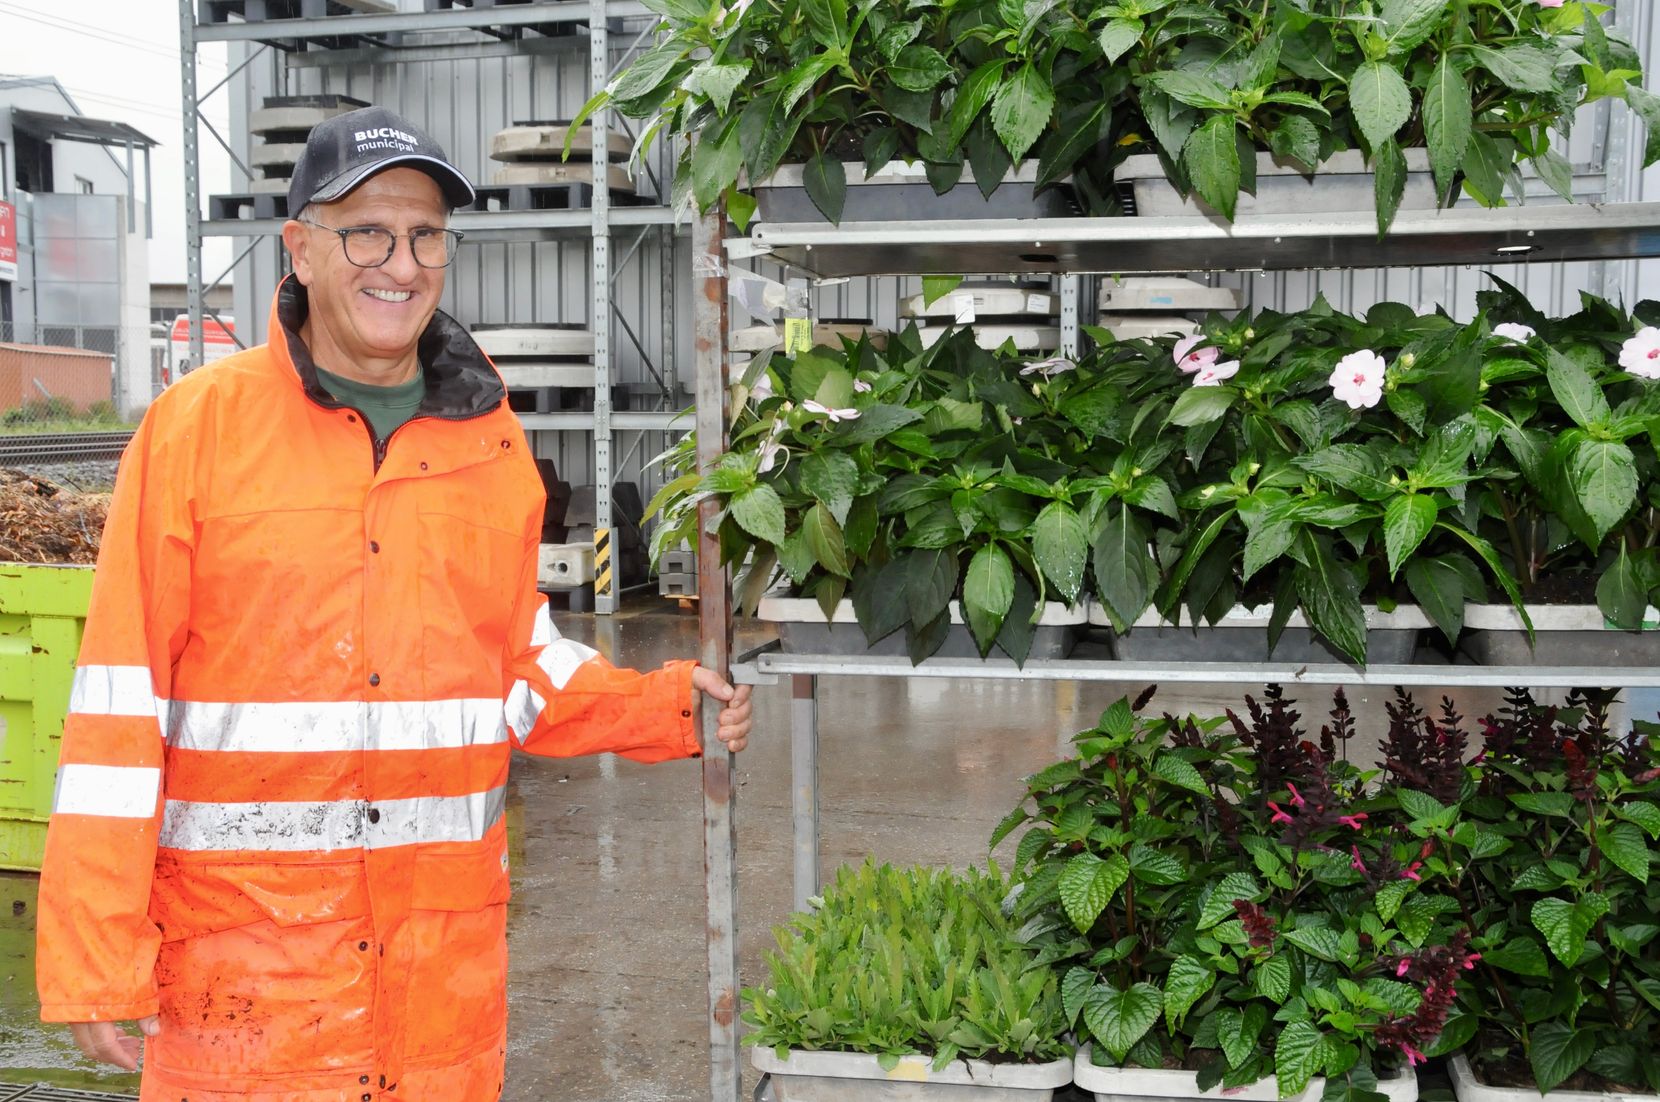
560, 658
115, 691
352, 725
285, 826
113, 791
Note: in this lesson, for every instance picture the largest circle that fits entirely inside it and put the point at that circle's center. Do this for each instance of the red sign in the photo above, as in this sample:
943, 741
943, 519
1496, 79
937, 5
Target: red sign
8, 241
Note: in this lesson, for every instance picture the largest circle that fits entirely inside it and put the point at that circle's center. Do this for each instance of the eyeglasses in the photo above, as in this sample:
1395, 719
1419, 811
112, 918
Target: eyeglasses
372, 246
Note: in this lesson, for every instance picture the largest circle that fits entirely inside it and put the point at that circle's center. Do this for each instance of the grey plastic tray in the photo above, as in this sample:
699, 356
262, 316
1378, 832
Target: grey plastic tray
901, 193
856, 1077
1344, 183
1564, 635
802, 630
1242, 636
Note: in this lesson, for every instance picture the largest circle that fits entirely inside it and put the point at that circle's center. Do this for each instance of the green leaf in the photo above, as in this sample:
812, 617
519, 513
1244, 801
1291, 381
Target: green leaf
1554, 169
1604, 478
1580, 396
648, 71
1622, 592
826, 180
1087, 885
1388, 899
1317, 941
1330, 599
1624, 845
827, 19
1565, 924
832, 477
1407, 519
1556, 1051
1423, 808
1351, 467
1558, 804
1219, 903
1647, 107
1118, 36
1409, 23
759, 512
919, 68
1125, 573
1118, 1019
1523, 68
1187, 982
1389, 183
1179, 772
972, 98
1150, 866
1074, 989
1296, 138
1211, 157
1380, 99
1272, 978
1021, 109
935, 288
1644, 815
1298, 1055
715, 165
1237, 1032
800, 80
988, 590
1520, 955
824, 539
1191, 87
1271, 537
1200, 405
717, 80
1438, 587
930, 583
1060, 544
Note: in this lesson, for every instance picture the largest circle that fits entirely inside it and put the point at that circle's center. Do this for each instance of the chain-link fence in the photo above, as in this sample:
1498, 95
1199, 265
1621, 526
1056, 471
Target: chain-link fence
67, 378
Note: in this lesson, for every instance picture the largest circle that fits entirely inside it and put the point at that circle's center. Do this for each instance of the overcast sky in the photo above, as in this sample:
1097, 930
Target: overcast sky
119, 59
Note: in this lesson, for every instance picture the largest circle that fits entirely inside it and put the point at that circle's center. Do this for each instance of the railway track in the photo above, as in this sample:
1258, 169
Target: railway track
62, 447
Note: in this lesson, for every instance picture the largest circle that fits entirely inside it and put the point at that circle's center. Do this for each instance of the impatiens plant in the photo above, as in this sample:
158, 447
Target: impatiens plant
1233, 898
900, 961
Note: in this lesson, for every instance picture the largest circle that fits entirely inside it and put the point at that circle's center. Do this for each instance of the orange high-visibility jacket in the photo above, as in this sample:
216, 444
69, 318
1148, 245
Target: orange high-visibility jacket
279, 813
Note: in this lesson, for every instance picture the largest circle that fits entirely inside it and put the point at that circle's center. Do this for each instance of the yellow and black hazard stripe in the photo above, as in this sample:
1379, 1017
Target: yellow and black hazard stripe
603, 583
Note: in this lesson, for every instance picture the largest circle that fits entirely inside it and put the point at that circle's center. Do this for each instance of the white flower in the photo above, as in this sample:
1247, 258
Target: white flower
1358, 379
1641, 354
1188, 360
762, 389
1213, 374
860, 386
771, 448
1514, 333
834, 414
1052, 366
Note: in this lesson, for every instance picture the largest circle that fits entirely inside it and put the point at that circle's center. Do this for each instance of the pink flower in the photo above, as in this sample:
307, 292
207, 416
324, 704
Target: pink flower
1641, 354
1411, 872
1356, 863
1403, 968
1213, 374
1189, 361
860, 386
1358, 379
1413, 1056
1279, 815
1515, 334
1353, 821
1470, 962
834, 414
762, 390
1550, 3
771, 448
1297, 800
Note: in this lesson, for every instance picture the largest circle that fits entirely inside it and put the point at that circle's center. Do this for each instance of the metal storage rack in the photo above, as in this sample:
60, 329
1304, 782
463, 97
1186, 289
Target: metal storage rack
361, 38
1070, 246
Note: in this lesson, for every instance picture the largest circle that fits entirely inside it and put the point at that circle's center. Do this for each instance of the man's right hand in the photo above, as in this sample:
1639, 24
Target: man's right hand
108, 1043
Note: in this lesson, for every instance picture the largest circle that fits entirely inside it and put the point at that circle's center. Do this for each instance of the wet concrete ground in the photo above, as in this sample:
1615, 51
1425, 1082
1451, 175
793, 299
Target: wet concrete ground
608, 990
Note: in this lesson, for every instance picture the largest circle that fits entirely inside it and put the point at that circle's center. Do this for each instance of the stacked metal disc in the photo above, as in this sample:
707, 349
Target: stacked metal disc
536, 357
282, 124
998, 313
534, 153
1154, 306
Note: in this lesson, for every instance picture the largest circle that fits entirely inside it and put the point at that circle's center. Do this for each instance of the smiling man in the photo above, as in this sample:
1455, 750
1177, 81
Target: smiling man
278, 842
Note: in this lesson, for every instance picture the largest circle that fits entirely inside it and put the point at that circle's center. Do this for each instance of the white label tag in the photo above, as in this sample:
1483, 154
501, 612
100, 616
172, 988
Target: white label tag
964, 307
1037, 304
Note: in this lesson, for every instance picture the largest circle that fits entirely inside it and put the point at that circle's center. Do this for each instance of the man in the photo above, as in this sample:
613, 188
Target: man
278, 839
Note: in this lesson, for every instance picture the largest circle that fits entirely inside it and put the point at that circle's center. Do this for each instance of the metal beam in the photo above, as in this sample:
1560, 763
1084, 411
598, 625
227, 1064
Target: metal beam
714, 615
608, 576
448, 19
636, 421
192, 179
486, 225
540, 45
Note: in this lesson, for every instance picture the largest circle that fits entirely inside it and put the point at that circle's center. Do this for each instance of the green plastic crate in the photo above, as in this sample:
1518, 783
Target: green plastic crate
42, 611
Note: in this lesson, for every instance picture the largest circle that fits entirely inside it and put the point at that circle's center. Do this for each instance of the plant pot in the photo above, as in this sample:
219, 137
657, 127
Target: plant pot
973, 302
802, 629
1141, 1084
1164, 294
1129, 327
1564, 635
1342, 183
900, 192
1242, 636
1026, 338
858, 1077
1467, 1088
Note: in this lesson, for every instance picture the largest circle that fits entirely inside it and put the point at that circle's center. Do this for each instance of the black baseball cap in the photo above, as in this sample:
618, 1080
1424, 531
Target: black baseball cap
344, 151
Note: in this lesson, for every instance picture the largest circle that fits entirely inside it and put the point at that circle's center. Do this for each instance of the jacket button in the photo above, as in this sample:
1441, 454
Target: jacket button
506, 444
423, 466
351, 418
685, 713
374, 547
364, 1079
374, 679
363, 946
374, 814
368, 1098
